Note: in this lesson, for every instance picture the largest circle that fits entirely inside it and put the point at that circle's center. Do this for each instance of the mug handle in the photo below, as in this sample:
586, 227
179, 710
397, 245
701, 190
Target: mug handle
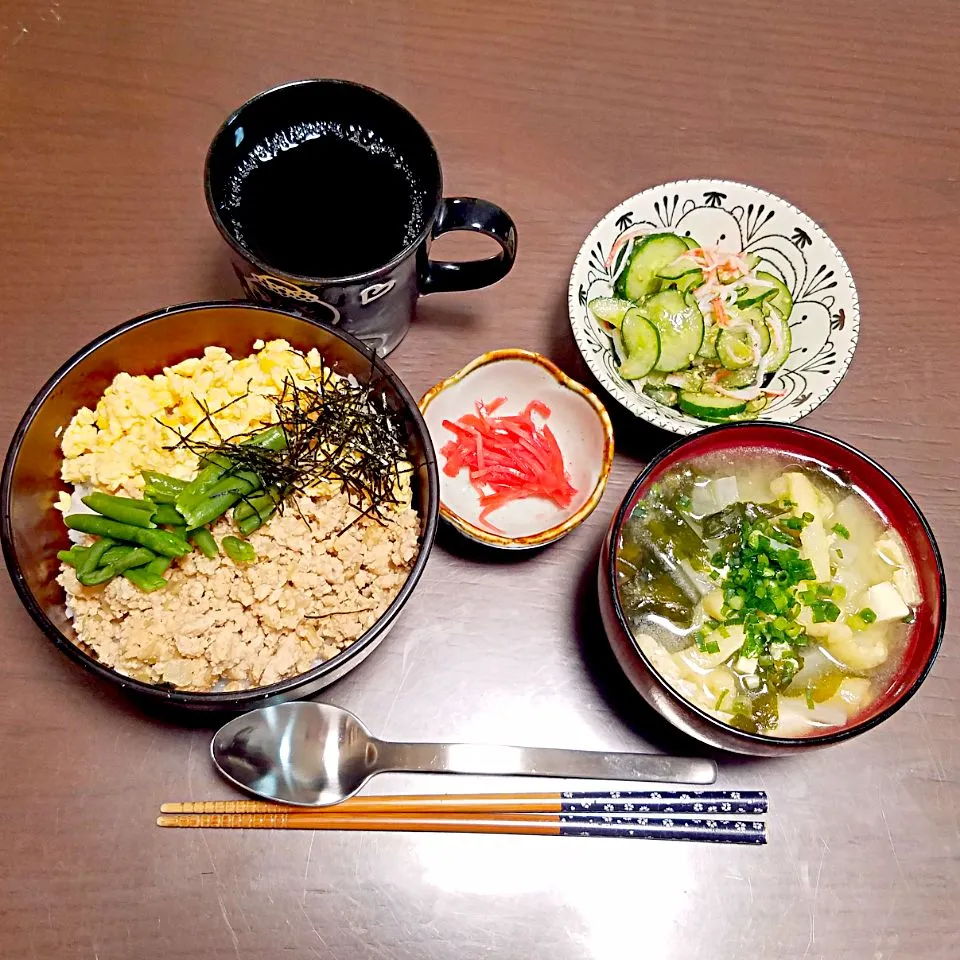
480, 216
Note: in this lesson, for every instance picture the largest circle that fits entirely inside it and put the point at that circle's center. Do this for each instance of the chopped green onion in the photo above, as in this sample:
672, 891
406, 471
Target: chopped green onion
867, 615
841, 531
811, 703
825, 610
711, 646
808, 517
720, 699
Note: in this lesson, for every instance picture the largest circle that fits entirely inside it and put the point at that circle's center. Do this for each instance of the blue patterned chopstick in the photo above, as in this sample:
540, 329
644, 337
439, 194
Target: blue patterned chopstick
703, 830
725, 802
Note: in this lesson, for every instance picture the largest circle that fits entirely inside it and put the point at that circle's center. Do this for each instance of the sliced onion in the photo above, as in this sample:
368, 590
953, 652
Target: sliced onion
744, 393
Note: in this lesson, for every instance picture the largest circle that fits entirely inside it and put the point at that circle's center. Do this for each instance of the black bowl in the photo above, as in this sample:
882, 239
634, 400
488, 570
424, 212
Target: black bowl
32, 531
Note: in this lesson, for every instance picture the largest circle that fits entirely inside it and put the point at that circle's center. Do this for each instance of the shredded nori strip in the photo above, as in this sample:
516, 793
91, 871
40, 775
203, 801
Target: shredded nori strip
336, 429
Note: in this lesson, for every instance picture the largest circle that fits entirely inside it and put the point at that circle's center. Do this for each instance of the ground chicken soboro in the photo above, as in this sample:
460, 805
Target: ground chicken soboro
315, 587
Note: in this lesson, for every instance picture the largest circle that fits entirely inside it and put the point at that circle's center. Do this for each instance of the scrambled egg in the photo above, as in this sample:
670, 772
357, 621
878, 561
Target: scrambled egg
136, 422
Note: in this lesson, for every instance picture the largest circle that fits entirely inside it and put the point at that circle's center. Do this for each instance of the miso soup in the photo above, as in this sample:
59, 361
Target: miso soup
766, 591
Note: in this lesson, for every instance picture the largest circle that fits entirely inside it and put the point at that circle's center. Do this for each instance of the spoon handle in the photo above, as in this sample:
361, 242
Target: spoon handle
541, 762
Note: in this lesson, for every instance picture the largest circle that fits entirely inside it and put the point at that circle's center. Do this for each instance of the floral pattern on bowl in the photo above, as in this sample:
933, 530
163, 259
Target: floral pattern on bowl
733, 216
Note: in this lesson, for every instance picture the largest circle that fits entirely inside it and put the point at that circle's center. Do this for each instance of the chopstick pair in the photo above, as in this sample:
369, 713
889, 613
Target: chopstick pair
640, 815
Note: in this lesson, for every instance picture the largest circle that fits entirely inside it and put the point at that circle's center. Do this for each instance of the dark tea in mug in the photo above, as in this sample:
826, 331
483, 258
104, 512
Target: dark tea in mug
325, 200
329, 194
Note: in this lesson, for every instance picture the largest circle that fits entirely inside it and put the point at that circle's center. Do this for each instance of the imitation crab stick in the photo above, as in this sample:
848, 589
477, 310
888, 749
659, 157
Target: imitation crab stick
508, 458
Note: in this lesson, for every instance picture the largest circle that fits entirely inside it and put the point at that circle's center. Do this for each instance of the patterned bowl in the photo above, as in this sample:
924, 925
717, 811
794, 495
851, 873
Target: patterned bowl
825, 321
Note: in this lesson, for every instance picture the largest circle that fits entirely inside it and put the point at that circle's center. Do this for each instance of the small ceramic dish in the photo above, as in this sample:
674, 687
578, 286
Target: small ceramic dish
577, 418
824, 322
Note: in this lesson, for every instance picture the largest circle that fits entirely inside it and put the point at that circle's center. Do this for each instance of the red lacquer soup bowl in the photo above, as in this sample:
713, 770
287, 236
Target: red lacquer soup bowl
869, 479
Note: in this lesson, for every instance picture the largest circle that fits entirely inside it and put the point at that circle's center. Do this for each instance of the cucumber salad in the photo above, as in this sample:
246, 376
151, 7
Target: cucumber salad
697, 328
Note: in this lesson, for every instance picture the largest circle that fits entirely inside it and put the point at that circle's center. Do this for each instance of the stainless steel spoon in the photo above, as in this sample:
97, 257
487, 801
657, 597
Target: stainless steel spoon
314, 754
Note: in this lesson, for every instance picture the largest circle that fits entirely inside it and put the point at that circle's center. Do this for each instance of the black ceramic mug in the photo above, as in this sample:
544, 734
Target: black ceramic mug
329, 194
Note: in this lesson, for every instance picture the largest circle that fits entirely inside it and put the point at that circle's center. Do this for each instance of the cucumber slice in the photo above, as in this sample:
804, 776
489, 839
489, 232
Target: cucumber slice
690, 242
710, 407
752, 294
609, 310
679, 268
687, 381
781, 301
754, 316
680, 325
690, 281
665, 395
760, 325
649, 255
735, 348
753, 261
708, 348
642, 343
740, 378
780, 340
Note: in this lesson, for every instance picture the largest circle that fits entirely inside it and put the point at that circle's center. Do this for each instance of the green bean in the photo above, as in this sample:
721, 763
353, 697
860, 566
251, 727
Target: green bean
217, 465
95, 577
121, 558
168, 515
91, 559
115, 553
243, 483
203, 540
150, 577
128, 502
273, 438
255, 521
220, 498
210, 509
159, 564
159, 541
73, 556
138, 513
239, 551
264, 505
131, 557
161, 488
144, 580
